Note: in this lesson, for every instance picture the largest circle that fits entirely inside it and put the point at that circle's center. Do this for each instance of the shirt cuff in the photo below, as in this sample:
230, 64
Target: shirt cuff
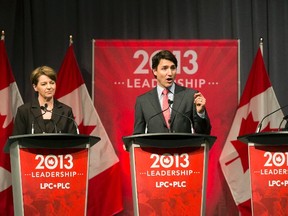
202, 115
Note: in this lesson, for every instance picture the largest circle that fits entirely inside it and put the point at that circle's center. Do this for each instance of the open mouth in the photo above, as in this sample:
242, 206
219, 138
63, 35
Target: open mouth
169, 79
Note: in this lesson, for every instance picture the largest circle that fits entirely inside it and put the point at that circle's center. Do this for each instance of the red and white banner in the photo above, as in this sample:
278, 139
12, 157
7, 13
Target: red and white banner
11, 99
169, 181
54, 180
269, 183
104, 189
258, 100
122, 71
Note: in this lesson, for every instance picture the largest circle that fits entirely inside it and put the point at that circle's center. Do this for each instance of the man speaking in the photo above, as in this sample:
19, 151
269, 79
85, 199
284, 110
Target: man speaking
170, 107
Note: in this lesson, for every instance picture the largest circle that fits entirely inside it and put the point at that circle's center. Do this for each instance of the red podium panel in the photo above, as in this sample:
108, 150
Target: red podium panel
268, 160
169, 173
50, 173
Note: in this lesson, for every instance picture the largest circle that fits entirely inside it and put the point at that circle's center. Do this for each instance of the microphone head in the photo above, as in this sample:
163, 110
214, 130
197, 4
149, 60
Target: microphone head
44, 108
170, 101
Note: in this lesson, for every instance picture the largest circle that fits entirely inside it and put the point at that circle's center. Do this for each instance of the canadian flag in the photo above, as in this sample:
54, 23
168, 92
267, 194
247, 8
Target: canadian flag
104, 188
11, 99
258, 100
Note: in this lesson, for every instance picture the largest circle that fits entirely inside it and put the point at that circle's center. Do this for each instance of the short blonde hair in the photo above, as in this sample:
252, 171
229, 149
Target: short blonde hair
43, 70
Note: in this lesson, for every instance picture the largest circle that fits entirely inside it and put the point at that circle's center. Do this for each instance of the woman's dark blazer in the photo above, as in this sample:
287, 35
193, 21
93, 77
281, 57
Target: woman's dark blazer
29, 116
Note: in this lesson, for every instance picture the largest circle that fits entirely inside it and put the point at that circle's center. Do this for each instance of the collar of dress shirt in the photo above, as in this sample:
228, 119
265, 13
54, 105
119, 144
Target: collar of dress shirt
170, 94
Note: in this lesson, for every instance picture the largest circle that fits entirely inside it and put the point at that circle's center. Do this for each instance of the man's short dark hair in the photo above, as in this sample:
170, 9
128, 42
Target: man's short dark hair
163, 54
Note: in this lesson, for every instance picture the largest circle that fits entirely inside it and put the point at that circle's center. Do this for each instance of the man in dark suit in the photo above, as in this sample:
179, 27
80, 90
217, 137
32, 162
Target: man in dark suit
187, 106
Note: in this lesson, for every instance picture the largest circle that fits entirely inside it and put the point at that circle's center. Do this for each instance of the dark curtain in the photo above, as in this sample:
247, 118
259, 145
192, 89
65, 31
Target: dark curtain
37, 32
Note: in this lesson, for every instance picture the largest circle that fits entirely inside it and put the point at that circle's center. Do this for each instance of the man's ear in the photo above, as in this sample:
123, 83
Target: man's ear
154, 72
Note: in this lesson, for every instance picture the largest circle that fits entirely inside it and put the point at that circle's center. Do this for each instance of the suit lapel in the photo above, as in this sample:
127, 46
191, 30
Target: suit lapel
154, 100
37, 118
57, 109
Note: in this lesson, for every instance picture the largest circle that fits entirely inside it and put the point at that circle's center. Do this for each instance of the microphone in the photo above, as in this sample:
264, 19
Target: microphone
170, 102
45, 110
67, 117
146, 129
284, 118
260, 124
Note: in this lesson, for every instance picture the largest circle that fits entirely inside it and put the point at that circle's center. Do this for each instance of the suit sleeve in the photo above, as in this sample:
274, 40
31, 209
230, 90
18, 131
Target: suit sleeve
201, 125
20, 123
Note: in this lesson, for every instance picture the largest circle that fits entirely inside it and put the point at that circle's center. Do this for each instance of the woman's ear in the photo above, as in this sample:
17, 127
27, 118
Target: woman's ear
35, 88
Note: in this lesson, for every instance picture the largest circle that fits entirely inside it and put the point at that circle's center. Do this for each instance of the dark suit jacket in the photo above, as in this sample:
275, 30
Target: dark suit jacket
147, 105
30, 113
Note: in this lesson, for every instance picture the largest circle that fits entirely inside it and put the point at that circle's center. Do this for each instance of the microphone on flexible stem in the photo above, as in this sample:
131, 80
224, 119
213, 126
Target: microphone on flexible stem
77, 129
170, 102
260, 124
284, 118
45, 110
146, 129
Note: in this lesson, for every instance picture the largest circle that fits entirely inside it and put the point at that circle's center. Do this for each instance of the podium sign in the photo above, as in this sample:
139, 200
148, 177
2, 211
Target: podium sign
50, 173
169, 181
269, 182
169, 172
268, 161
52, 180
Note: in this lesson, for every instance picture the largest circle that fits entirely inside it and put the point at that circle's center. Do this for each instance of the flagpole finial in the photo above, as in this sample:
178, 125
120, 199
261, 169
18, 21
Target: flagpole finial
70, 40
2, 35
261, 40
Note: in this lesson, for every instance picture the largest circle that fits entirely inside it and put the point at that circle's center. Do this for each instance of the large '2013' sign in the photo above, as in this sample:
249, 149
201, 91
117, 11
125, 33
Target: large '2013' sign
190, 55
277, 159
168, 160
53, 161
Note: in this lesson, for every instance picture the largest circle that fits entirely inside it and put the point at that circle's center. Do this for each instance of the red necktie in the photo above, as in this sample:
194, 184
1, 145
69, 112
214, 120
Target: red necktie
165, 106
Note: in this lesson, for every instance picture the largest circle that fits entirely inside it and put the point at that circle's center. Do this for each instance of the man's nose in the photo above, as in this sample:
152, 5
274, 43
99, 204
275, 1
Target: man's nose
169, 71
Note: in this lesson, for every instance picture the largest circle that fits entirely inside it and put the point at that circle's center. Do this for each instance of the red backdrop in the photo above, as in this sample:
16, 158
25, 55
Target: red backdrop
122, 71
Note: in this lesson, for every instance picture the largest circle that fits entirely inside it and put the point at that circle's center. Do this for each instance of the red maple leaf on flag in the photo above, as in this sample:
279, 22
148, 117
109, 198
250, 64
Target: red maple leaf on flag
86, 129
5, 132
104, 184
247, 125
257, 101
11, 99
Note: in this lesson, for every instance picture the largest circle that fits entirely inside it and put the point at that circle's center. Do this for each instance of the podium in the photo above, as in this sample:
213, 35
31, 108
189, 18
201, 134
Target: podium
169, 172
268, 161
50, 173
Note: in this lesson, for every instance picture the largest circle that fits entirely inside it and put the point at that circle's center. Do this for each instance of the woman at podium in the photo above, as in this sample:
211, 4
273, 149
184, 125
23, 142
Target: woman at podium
44, 114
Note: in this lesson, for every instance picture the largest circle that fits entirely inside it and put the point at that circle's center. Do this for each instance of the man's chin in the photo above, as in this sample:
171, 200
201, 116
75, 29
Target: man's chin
168, 85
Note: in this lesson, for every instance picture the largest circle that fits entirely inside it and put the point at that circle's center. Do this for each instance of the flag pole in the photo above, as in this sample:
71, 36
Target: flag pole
70, 40
3, 35
261, 44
